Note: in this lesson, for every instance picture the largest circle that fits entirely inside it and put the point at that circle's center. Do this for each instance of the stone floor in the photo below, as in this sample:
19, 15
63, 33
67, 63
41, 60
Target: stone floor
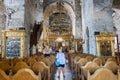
68, 75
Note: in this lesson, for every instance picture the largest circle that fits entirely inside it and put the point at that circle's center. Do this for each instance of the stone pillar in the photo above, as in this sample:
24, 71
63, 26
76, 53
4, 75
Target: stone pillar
103, 20
116, 21
97, 16
2, 19
78, 27
87, 23
14, 13
33, 13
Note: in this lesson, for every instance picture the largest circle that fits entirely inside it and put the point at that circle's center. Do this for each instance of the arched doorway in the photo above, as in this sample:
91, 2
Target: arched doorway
59, 21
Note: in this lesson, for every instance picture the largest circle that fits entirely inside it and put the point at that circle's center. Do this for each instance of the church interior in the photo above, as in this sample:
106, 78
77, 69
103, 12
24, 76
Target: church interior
87, 30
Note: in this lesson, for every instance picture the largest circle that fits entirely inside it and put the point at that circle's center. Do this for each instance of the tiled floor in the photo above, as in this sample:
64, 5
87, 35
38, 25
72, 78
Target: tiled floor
68, 75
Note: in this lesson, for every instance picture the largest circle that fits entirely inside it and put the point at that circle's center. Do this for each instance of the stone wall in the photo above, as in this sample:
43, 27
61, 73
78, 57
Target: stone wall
14, 13
87, 26
47, 2
116, 18
96, 17
116, 21
103, 21
90, 16
21, 13
2, 20
33, 13
29, 22
39, 11
78, 27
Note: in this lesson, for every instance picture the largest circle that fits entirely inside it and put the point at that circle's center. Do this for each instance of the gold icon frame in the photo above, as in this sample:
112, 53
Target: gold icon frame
13, 34
107, 38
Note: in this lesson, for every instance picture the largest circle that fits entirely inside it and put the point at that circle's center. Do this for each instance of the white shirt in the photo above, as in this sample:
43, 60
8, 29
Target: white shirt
51, 51
60, 57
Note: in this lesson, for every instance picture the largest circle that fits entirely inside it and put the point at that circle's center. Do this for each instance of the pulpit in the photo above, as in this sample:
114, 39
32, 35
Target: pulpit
105, 44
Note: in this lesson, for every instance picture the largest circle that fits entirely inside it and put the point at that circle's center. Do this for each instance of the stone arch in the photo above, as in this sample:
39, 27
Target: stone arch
48, 2
52, 8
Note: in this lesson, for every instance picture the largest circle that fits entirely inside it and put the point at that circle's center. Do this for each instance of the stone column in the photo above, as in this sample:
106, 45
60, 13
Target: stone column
97, 16
87, 23
78, 27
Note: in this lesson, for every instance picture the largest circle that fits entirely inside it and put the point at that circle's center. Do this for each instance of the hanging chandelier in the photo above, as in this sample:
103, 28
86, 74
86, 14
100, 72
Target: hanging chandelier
60, 23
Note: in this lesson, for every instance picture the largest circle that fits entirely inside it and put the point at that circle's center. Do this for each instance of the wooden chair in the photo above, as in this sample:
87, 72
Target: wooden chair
19, 66
78, 66
16, 60
26, 74
90, 58
112, 59
38, 67
47, 70
31, 61
111, 65
103, 74
91, 67
3, 75
5, 67
98, 61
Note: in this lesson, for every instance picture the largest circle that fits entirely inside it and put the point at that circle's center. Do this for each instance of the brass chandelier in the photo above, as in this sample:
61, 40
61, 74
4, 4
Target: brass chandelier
60, 24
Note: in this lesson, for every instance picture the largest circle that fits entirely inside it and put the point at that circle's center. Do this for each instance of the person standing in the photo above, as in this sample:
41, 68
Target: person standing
51, 50
46, 51
61, 58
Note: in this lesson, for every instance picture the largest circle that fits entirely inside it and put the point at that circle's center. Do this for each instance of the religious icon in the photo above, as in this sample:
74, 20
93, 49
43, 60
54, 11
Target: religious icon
105, 49
12, 47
